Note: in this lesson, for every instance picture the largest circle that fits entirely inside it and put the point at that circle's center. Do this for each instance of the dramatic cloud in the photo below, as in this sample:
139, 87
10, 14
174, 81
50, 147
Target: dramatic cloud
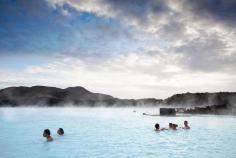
219, 10
131, 48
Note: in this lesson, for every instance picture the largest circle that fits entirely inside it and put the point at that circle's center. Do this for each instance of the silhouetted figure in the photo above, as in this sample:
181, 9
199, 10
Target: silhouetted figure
47, 134
60, 131
174, 126
157, 127
170, 125
186, 126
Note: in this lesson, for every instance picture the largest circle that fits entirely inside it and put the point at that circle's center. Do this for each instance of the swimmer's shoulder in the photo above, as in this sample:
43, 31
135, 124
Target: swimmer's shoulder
185, 127
50, 139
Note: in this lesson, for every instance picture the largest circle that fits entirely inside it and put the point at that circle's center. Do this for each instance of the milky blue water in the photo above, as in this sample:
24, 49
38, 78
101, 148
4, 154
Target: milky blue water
112, 132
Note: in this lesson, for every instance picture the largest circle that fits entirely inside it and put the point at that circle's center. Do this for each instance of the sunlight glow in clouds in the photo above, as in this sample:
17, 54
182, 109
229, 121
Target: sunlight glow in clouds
129, 49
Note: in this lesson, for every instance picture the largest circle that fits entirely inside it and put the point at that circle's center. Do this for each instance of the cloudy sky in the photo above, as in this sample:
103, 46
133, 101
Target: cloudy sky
125, 48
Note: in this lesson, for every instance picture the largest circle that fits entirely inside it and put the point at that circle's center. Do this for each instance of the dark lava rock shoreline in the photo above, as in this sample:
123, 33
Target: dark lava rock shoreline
79, 96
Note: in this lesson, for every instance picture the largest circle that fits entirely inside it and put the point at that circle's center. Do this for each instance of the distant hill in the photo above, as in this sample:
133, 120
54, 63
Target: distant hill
204, 103
79, 96
52, 96
201, 99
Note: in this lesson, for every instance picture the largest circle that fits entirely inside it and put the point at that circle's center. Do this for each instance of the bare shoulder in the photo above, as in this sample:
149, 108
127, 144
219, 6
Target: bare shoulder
50, 139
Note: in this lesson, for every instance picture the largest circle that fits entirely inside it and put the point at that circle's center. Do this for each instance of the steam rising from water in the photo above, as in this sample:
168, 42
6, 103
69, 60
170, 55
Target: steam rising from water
15, 114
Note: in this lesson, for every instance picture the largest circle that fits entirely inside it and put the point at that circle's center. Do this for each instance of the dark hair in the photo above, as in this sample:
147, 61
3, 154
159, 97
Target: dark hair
60, 131
170, 124
157, 126
47, 131
185, 121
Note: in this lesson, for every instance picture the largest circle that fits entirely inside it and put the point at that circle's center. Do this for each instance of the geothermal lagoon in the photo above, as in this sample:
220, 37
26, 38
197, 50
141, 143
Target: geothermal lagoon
113, 132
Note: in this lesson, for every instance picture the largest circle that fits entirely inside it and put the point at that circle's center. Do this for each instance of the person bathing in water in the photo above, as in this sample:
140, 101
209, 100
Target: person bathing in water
60, 131
173, 126
157, 127
186, 126
47, 134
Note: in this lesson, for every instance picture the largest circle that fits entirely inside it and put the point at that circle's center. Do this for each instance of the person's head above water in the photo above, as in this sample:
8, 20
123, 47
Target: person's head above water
47, 134
157, 126
174, 126
60, 131
186, 126
186, 123
170, 125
